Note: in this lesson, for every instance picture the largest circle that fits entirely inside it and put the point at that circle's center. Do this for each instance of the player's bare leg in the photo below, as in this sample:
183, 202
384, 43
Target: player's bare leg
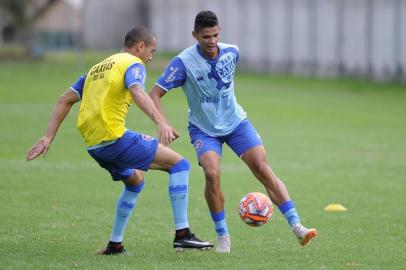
210, 162
256, 160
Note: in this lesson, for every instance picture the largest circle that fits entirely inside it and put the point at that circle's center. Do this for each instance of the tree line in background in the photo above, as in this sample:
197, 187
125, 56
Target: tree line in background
19, 15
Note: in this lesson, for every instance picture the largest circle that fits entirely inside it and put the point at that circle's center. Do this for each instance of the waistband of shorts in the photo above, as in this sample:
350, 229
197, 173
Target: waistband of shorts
105, 143
100, 145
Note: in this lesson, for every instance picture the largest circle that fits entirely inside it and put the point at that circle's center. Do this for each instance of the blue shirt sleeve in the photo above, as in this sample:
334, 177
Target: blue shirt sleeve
135, 74
77, 87
173, 76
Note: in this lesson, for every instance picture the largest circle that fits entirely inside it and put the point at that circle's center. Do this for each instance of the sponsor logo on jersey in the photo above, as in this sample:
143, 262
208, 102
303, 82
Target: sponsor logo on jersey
225, 94
102, 67
209, 100
171, 76
222, 71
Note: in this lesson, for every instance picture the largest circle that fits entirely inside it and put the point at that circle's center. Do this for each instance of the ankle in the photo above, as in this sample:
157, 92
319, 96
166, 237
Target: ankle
182, 233
114, 244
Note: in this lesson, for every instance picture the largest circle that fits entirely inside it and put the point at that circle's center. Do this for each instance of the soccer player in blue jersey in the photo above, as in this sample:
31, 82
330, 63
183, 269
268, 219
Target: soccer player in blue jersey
105, 93
205, 71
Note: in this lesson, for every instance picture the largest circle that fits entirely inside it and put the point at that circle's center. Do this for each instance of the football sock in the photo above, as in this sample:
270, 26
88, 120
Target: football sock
125, 205
289, 211
178, 193
220, 224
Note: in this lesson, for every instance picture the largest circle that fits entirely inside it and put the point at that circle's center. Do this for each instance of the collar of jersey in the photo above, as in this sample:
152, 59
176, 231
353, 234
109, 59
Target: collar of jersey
202, 55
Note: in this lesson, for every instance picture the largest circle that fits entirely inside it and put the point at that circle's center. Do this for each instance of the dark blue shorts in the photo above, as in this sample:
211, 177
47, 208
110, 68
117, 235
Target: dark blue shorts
132, 151
242, 138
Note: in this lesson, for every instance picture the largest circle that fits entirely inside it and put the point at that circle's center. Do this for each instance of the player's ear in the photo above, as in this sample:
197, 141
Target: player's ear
194, 34
140, 46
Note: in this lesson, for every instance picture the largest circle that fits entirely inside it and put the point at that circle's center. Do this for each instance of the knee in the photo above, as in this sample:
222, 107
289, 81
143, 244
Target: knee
135, 183
136, 177
137, 188
182, 165
261, 167
212, 177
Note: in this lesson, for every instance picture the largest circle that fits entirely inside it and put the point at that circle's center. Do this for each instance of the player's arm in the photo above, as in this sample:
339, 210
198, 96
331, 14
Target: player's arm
145, 103
174, 76
134, 79
61, 110
156, 93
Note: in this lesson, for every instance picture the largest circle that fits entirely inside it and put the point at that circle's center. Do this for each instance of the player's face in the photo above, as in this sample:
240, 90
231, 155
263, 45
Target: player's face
147, 51
207, 39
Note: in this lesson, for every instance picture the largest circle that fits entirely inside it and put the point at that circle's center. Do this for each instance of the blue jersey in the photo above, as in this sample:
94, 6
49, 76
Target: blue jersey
209, 88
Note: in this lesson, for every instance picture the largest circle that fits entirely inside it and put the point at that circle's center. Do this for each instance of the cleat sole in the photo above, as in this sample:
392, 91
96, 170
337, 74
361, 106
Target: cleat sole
181, 249
309, 236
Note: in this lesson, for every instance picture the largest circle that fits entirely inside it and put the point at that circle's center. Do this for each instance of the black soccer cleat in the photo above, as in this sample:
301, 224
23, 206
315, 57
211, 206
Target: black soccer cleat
189, 241
112, 249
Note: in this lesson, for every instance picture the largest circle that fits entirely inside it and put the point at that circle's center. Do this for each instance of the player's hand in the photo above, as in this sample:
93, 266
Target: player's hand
165, 134
175, 133
40, 147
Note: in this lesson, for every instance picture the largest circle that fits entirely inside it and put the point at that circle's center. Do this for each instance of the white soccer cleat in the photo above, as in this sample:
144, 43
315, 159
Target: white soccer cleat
223, 244
303, 234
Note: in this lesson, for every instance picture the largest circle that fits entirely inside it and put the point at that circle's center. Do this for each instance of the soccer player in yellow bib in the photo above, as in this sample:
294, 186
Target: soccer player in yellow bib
106, 92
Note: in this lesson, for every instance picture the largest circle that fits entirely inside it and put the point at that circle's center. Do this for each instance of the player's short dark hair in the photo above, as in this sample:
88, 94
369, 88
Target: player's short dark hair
137, 34
205, 19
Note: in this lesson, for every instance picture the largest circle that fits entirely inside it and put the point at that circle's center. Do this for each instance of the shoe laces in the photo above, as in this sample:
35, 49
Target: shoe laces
193, 237
224, 241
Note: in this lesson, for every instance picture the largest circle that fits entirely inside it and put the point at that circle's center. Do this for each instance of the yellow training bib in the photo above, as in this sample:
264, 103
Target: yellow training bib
105, 100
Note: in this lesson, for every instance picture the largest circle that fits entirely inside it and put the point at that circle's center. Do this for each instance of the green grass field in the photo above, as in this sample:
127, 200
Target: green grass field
331, 141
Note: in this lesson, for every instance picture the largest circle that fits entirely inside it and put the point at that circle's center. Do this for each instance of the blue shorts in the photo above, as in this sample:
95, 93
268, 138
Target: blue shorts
132, 151
242, 138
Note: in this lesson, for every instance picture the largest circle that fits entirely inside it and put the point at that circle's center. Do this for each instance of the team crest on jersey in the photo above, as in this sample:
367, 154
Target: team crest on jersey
222, 71
146, 137
198, 144
138, 74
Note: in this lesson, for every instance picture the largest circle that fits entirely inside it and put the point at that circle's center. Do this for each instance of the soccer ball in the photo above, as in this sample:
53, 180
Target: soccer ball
255, 209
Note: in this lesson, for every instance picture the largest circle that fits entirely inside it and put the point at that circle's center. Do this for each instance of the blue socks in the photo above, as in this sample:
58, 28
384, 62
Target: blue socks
287, 208
289, 211
178, 193
220, 224
125, 205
